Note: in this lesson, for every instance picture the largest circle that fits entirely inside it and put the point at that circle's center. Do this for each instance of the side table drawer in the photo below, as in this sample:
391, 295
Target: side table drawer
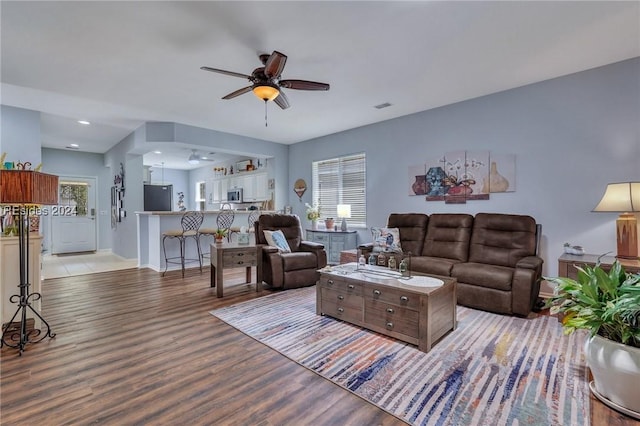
392, 317
237, 258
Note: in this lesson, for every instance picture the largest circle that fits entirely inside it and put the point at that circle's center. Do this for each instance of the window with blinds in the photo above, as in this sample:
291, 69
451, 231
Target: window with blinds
341, 181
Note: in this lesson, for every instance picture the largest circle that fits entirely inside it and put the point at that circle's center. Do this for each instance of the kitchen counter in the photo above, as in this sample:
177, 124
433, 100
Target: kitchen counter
207, 212
152, 224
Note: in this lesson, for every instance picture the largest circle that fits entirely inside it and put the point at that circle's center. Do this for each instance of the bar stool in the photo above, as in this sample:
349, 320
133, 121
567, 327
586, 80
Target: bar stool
251, 221
223, 221
191, 222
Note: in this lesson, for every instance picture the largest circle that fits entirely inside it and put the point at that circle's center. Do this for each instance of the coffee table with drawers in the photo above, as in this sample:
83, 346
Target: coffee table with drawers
419, 310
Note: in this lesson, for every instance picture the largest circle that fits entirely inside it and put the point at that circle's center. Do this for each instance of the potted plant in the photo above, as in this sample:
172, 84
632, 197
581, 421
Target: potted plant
313, 214
607, 304
329, 223
220, 234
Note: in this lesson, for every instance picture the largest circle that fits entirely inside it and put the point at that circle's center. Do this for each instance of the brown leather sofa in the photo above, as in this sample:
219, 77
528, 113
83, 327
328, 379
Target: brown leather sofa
288, 270
493, 256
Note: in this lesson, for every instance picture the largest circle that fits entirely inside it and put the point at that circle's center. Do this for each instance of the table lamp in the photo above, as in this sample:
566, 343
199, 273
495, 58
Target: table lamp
19, 188
624, 198
344, 211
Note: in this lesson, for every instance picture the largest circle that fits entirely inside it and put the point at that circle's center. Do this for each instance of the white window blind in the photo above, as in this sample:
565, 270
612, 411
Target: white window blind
341, 181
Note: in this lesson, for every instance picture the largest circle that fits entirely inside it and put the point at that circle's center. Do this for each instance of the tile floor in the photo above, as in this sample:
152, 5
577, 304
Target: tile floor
56, 266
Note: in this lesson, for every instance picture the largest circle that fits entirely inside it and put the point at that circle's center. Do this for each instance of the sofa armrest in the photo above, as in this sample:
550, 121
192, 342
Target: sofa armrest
311, 246
530, 262
526, 284
365, 249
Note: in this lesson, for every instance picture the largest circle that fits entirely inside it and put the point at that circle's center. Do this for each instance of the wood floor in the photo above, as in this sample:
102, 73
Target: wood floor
135, 348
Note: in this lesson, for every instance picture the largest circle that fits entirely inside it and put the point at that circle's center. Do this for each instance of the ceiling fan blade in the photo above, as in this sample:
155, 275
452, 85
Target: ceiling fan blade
303, 85
281, 100
238, 92
275, 64
231, 73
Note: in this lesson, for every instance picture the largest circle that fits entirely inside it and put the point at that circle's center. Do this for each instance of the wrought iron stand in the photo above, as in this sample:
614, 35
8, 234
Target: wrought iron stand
19, 337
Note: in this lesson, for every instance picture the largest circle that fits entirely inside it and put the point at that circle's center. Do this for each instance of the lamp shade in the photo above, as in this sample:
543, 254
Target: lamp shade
266, 92
28, 187
344, 210
620, 197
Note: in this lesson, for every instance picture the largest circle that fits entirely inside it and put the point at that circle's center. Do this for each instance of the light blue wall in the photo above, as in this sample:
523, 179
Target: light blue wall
84, 164
20, 135
124, 237
570, 135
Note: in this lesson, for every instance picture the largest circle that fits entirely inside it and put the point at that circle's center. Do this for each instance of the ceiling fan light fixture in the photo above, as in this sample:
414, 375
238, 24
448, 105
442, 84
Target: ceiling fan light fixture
266, 92
194, 158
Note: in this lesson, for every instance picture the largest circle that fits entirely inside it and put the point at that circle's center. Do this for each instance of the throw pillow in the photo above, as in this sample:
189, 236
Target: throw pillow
277, 239
386, 240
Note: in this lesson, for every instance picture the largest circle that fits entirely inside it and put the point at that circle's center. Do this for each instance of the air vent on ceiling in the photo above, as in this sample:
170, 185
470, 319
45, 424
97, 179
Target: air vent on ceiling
384, 105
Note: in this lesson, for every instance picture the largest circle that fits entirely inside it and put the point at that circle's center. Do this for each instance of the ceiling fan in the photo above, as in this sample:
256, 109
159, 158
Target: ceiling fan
195, 158
266, 83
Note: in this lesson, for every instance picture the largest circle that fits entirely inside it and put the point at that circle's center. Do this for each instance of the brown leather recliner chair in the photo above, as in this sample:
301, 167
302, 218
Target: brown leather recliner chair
289, 270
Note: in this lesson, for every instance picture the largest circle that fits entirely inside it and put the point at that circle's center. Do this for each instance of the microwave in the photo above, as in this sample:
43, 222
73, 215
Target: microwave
234, 195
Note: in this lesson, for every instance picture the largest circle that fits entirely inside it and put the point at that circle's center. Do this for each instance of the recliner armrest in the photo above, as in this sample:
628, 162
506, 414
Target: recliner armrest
530, 262
311, 246
269, 249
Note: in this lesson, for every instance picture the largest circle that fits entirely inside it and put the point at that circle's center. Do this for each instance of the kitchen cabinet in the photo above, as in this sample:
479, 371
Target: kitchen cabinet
334, 242
262, 187
216, 190
210, 191
254, 187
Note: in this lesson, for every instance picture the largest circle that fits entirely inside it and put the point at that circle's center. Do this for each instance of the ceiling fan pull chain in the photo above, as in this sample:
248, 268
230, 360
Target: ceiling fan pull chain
265, 113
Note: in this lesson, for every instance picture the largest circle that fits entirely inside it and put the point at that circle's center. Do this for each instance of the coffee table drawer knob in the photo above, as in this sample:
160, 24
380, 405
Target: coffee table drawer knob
329, 281
404, 298
377, 292
340, 297
341, 310
389, 325
351, 286
390, 310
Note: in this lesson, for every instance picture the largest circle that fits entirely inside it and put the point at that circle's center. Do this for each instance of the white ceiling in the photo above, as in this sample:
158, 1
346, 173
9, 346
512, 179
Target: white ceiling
119, 64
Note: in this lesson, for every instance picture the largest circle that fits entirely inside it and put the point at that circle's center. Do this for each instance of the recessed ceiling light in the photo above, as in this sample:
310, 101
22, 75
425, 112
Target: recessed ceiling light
383, 105
157, 152
85, 122
72, 146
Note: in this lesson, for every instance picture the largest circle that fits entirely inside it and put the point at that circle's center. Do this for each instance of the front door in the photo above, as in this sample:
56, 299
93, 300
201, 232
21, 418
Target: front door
73, 220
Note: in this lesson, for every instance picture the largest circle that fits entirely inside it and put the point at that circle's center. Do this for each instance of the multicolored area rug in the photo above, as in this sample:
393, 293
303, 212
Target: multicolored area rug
492, 370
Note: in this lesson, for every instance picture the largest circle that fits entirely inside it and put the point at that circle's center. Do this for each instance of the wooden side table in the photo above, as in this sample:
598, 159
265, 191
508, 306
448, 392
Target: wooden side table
568, 262
234, 255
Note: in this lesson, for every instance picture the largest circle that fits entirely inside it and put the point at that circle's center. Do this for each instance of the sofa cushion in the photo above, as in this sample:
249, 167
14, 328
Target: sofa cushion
432, 265
487, 299
483, 275
412, 228
448, 236
277, 239
386, 240
502, 239
299, 260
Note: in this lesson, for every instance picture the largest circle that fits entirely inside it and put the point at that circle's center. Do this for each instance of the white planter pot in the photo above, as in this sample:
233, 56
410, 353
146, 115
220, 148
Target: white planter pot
616, 373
